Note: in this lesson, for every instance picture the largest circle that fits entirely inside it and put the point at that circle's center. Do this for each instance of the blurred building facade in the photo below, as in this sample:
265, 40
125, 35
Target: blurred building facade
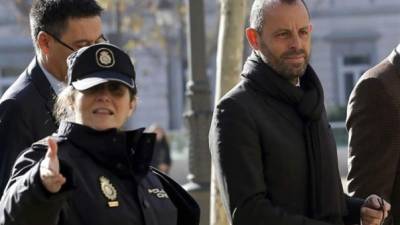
16, 49
157, 50
348, 38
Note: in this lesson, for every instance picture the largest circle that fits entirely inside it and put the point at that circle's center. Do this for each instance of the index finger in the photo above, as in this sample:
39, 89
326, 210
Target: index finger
52, 149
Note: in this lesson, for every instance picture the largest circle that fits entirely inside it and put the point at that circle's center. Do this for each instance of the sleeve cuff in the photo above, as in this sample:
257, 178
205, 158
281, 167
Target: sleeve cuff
353, 210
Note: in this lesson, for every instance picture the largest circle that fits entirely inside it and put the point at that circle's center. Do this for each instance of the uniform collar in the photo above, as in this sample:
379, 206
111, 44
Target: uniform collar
124, 152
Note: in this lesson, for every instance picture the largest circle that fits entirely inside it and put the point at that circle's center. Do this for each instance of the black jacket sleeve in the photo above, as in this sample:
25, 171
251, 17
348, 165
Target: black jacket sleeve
25, 200
353, 210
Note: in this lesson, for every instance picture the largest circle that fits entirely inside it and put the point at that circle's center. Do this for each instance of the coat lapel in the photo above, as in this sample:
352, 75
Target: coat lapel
38, 78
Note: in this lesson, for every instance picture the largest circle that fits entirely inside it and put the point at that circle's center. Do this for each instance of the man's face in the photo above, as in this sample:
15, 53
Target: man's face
285, 41
79, 32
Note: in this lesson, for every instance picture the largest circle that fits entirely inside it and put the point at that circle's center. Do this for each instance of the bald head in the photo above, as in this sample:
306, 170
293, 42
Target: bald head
257, 14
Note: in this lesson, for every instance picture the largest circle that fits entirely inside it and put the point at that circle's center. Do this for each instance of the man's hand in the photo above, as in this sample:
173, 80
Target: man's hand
374, 210
50, 174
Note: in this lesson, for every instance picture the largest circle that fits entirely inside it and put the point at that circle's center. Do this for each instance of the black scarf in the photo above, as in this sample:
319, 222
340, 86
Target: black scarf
326, 193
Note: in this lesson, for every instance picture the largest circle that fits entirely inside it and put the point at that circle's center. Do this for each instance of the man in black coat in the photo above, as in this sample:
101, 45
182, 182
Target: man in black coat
58, 28
270, 140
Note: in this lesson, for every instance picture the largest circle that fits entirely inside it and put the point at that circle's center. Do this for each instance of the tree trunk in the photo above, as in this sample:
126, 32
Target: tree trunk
229, 65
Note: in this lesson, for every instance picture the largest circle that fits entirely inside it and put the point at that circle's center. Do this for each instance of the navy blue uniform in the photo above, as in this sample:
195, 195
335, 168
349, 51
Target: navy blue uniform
109, 181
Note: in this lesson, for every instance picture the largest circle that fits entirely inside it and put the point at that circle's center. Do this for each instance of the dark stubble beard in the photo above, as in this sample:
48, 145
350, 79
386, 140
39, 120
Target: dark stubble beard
291, 72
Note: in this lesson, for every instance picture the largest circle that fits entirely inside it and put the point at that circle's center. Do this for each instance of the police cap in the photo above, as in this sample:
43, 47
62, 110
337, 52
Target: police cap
100, 63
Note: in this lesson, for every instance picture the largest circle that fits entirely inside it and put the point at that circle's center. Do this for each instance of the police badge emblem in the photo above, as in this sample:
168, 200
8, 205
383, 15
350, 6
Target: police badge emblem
109, 191
105, 58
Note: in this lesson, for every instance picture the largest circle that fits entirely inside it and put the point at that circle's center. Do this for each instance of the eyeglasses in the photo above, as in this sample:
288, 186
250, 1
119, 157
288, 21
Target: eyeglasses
101, 39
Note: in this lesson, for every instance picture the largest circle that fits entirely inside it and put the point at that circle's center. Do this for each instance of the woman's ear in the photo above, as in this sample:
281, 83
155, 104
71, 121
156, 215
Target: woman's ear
132, 106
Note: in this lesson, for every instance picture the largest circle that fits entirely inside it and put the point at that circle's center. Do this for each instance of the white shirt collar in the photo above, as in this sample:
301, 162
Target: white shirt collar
57, 85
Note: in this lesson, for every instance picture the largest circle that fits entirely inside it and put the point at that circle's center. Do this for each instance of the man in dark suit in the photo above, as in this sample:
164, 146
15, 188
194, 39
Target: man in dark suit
58, 28
274, 153
373, 122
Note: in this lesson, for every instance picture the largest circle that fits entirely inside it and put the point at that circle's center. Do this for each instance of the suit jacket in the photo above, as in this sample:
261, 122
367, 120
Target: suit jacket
373, 122
259, 152
25, 116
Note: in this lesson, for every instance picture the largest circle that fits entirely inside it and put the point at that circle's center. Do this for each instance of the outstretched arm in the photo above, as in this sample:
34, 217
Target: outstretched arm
37, 190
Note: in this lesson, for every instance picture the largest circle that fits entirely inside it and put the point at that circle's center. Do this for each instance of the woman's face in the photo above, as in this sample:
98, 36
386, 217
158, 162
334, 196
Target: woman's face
104, 106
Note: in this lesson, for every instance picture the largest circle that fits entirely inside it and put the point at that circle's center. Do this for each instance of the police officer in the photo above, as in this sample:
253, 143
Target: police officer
92, 172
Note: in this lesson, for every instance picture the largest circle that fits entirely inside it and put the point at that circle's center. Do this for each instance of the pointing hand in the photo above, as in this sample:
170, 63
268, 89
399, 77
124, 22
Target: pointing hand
50, 174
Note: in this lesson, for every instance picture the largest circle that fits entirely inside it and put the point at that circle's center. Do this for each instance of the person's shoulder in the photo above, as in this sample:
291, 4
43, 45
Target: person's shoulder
37, 150
11, 110
23, 97
383, 76
382, 70
22, 90
18, 99
43, 143
239, 94
240, 97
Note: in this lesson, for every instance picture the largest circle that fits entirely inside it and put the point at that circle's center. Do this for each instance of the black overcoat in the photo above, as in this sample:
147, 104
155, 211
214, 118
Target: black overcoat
258, 148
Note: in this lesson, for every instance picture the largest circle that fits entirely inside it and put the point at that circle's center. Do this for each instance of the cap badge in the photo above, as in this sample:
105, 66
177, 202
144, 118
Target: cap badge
109, 191
105, 58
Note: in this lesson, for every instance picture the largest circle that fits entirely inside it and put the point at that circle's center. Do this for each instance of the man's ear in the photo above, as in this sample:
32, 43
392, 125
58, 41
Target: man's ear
253, 38
43, 42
